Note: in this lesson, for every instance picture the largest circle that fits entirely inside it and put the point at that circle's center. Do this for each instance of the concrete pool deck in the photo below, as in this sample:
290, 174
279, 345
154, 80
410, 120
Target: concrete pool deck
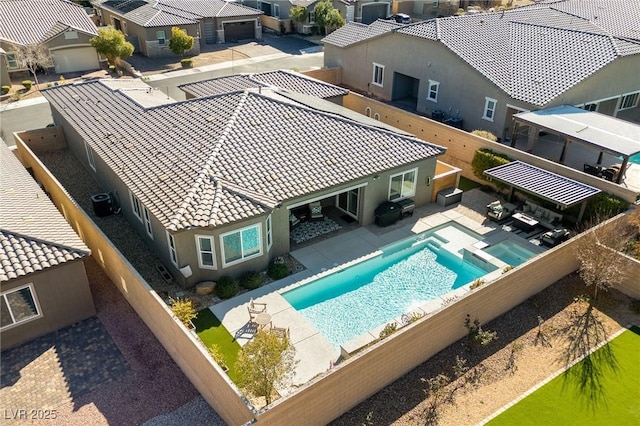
315, 352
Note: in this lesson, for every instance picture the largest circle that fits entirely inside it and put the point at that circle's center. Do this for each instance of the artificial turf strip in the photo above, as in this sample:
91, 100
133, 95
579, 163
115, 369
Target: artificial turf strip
562, 402
210, 330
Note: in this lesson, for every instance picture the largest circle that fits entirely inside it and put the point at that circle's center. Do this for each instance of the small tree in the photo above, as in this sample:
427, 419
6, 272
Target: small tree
299, 14
321, 13
112, 44
35, 57
183, 310
265, 362
180, 41
333, 20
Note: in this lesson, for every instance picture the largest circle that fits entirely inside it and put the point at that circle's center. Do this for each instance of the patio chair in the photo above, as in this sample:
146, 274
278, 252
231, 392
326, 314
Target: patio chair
280, 332
256, 308
315, 211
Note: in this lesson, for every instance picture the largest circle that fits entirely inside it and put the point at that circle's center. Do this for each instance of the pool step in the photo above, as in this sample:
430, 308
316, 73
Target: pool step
433, 243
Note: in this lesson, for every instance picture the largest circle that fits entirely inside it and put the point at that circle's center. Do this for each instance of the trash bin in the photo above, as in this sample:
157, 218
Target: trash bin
388, 213
437, 115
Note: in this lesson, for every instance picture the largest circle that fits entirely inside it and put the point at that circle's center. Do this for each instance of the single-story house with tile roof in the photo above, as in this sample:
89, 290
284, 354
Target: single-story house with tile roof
62, 26
476, 71
43, 283
147, 23
213, 183
286, 80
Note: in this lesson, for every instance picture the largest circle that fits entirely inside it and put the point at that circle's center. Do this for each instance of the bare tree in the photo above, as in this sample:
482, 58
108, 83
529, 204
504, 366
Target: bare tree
35, 57
601, 264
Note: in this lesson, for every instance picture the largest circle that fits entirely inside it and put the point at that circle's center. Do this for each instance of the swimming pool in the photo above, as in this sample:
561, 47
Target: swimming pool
635, 159
510, 252
352, 301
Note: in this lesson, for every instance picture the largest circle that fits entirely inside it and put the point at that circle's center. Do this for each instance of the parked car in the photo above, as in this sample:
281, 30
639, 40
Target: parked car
401, 18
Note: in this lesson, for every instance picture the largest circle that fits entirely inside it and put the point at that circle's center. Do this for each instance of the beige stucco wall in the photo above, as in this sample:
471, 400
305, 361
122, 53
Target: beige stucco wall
63, 296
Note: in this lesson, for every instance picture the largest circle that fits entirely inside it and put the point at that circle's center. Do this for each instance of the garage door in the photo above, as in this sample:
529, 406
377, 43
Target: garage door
371, 12
235, 31
76, 59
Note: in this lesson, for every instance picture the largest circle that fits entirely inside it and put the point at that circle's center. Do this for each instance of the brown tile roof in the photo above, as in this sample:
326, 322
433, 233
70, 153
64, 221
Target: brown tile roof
220, 159
33, 234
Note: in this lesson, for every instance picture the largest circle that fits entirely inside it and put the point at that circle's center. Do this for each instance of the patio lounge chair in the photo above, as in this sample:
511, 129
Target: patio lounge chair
499, 211
256, 308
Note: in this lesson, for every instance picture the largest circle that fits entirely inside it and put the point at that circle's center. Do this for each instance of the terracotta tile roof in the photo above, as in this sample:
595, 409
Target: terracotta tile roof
36, 21
33, 234
278, 79
533, 53
220, 159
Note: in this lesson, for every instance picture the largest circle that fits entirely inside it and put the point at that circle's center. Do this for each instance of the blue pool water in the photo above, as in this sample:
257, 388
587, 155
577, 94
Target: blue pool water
348, 303
635, 159
510, 252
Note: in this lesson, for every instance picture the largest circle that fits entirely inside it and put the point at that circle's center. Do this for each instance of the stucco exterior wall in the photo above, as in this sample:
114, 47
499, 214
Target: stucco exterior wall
63, 297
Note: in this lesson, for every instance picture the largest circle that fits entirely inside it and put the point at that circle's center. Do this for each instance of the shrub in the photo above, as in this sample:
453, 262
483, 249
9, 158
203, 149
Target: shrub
218, 356
477, 334
226, 287
507, 268
277, 271
477, 283
485, 159
186, 63
251, 280
183, 310
27, 84
485, 134
388, 330
6, 89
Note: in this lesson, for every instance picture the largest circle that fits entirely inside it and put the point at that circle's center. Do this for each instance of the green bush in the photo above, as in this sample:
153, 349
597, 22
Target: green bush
277, 271
27, 84
251, 280
6, 89
183, 310
226, 287
388, 330
485, 159
186, 63
600, 207
485, 134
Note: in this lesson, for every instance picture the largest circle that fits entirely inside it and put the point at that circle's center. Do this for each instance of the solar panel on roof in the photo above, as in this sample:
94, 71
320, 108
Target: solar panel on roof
125, 6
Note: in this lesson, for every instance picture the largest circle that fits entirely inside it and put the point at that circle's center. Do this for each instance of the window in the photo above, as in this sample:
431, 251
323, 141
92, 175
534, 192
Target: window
489, 109
12, 61
269, 233
18, 305
403, 185
590, 107
124, 28
436, 3
136, 206
238, 246
629, 101
276, 10
172, 249
147, 221
92, 161
378, 74
433, 91
161, 37
206, 258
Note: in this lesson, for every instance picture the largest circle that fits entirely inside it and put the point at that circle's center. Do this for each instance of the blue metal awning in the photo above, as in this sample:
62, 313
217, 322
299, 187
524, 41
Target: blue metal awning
560, 190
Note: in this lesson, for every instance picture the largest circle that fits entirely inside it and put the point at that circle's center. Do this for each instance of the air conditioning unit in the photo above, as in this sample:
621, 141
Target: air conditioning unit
102, 205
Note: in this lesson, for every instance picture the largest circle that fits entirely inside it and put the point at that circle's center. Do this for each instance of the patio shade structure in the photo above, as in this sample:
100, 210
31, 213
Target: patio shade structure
560, 190
605, 133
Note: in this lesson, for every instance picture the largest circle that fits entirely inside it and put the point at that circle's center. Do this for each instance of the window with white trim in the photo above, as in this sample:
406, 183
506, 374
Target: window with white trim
436, 3
173, 254
432, 94
12, 61
243, 244
124, 28
147, 221
269, 233
161, 37
18, 305
206, 255
629, 101
403, 185
276, 10
378, 74
136, 206
489, 109
92, 161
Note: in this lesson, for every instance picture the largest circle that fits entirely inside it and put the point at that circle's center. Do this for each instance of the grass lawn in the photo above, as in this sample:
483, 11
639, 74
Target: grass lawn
595, 391
210, 330
467, 184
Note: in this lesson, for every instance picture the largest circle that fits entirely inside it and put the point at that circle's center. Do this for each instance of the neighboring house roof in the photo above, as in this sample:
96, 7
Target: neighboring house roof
355, 32
303, 3
26, 22
533, 53
157, 13
215, 160
33, 234
281, 79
